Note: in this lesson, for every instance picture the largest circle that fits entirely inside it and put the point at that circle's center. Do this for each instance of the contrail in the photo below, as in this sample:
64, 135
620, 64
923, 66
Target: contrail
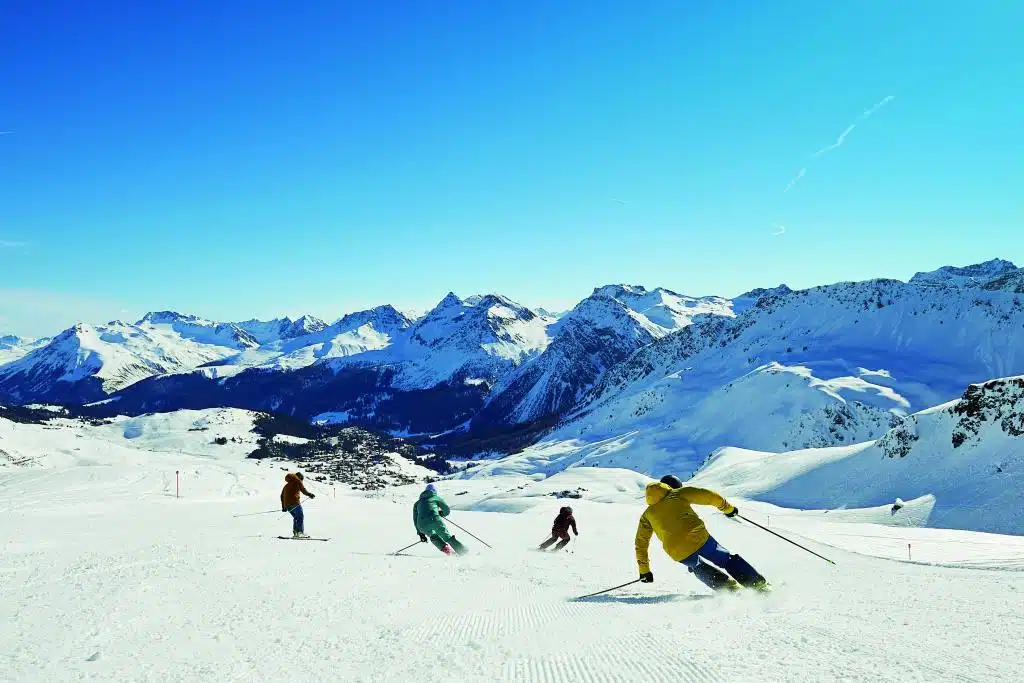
781, 230
794, 181
839, 141
886, 100
842, 137
618, 200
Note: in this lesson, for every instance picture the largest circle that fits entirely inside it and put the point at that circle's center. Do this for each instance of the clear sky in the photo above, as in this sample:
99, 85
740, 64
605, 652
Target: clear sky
255, 158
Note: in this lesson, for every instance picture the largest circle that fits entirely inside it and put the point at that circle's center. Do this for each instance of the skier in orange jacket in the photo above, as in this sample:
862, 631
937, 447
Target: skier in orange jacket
291, 502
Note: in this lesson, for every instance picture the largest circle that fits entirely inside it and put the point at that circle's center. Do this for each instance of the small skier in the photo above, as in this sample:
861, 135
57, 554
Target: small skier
560, 529
428, 515
685, 539
291, 502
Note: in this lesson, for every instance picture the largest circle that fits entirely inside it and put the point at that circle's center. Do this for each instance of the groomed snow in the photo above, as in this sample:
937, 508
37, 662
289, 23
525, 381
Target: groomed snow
107, 576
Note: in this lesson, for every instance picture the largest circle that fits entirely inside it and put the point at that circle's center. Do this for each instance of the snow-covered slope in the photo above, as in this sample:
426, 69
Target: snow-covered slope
106, 575
811, 368
963, 462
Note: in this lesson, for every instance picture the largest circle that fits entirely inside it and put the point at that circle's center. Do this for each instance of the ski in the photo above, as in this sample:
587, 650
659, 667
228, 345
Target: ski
300, 538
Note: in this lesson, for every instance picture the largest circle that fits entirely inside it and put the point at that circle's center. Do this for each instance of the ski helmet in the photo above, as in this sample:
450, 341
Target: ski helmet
299, 475
567, 510
431, 488
672, 480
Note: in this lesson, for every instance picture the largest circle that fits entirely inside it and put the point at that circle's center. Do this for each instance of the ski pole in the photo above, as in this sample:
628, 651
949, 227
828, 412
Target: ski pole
405, 548
785, 539
608, 590
250, 514
470, 533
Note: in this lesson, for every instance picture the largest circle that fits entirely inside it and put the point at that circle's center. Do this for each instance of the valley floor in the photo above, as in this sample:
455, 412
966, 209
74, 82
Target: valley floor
106, 576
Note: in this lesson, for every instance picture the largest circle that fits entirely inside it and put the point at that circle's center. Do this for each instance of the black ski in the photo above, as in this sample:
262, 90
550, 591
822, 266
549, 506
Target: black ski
300, 538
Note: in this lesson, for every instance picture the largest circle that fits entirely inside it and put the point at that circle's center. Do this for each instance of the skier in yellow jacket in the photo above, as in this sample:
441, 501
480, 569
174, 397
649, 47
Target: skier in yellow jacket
685, 539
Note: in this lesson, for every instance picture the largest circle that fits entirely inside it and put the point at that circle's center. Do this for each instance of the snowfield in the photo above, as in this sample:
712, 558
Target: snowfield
107, 576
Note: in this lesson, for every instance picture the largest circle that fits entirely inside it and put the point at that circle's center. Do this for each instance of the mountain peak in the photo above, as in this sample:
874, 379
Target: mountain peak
166, 318
449, 300
616, 291
384, 318
307, 324
758, 292
975, 275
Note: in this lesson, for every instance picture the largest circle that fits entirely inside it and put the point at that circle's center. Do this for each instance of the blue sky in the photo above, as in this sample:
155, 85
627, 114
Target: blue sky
241, 159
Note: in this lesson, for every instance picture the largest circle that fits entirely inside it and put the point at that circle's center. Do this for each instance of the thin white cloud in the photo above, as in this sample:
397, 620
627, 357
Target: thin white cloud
795, 180
780, 230
838, 143
842, 137
884, 101
6, 244
618, 200
6, 132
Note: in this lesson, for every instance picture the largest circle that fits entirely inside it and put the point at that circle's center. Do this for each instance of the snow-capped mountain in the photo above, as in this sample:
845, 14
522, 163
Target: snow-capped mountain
279, 329
87, 363
476, 340
600, 332
744, 301
772, 369
429, 376
13, 347
977, 275
826, 366
195, 329
960, 465
289, 345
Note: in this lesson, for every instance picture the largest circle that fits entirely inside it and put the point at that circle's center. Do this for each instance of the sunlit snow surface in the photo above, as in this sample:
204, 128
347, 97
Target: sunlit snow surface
106, 576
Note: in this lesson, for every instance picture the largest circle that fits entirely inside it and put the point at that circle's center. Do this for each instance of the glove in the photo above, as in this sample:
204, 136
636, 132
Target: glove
423, 538
735, 511
647, 578
312, 495
284, 509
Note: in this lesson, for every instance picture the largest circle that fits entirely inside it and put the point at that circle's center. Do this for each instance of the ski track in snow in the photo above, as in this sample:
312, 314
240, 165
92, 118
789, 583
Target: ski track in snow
106, 576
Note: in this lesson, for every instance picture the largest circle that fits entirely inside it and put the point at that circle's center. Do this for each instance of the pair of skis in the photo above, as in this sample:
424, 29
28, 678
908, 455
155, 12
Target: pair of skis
302, 538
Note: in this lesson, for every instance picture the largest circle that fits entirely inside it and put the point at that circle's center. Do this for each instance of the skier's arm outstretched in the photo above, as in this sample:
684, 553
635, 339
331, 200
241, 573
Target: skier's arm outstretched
644, 531
572, 523
696, 496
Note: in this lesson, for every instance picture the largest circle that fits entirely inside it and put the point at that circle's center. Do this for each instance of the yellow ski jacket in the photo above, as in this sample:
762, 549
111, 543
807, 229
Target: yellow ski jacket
669, 515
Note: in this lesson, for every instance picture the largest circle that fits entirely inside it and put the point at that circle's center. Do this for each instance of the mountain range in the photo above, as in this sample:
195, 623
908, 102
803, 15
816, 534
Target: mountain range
646, 373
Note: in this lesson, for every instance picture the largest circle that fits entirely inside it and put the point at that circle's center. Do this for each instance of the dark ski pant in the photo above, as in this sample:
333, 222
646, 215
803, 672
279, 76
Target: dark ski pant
440, 537
297, 519
710, 558
565, 540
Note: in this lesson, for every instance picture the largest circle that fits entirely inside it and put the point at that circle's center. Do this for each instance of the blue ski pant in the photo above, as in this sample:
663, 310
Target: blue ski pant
712, 551
297, 519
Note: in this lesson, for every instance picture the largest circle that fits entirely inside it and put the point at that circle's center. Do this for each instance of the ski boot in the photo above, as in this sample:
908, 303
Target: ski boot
747, 576
714, 578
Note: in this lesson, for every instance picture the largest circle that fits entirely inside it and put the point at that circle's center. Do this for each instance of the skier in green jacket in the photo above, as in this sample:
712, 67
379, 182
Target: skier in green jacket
427, 516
